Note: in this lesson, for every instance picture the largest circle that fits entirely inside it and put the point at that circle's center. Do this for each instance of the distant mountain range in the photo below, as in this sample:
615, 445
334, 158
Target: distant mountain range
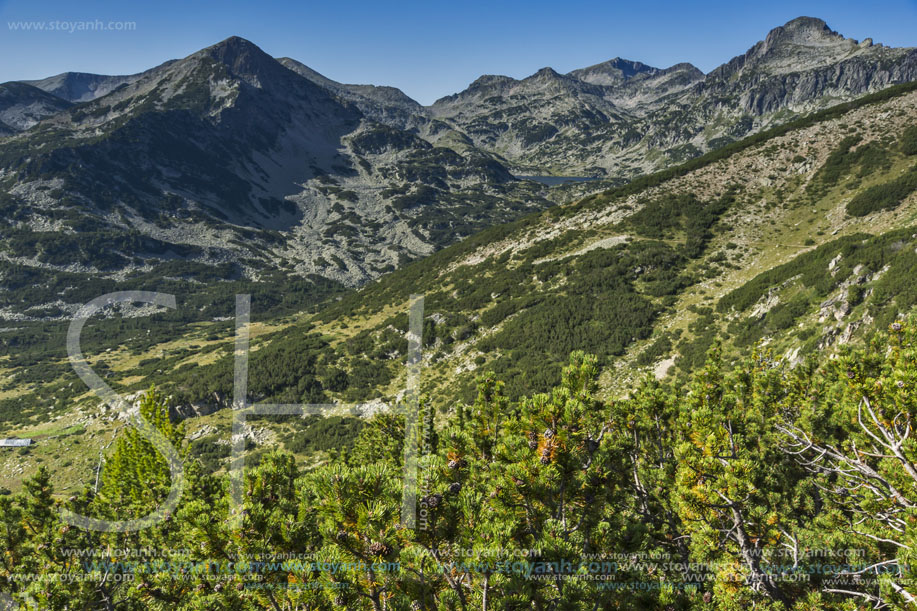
244, 164
623, 117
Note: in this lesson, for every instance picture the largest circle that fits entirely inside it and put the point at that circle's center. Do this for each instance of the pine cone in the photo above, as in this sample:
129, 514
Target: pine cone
896, 326
545, 459
708, 597
416, 605
548, 433
433, 500
341, 535
380, 549
455, 487
533, 440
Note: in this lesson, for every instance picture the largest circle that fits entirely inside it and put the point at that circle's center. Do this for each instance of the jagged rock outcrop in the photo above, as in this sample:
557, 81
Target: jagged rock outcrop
624, 117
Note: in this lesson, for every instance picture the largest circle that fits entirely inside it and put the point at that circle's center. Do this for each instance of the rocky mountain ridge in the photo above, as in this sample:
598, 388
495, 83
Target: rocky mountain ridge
623, 118
23, 106
230, 159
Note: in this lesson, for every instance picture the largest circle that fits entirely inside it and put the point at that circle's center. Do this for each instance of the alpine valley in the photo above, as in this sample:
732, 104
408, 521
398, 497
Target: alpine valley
768, 207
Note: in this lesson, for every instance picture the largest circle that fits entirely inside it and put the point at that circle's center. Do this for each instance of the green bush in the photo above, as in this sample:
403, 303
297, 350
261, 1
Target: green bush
886, 196
654, 351
335, 433
908, 141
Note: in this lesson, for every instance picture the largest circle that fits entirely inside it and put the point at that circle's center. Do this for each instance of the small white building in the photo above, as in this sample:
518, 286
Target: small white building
15, 443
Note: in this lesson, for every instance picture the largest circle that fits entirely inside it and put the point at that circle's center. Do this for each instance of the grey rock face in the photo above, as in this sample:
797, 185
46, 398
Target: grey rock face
612, 117
803, 61
80, 86
387, 105
22, 106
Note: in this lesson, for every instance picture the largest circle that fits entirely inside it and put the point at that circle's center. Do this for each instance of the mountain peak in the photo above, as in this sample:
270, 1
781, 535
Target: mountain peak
802, 30
806, 23
244, 58
490, 80
546, 72
612, 72
686, 67
800, 44
802, 40
235, 44
234, 48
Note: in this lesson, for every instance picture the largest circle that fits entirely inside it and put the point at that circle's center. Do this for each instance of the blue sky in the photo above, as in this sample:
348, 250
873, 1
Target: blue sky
428, 49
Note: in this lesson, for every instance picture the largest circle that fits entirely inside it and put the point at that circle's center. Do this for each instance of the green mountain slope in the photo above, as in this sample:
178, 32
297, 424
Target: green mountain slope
648, 275
800, 238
